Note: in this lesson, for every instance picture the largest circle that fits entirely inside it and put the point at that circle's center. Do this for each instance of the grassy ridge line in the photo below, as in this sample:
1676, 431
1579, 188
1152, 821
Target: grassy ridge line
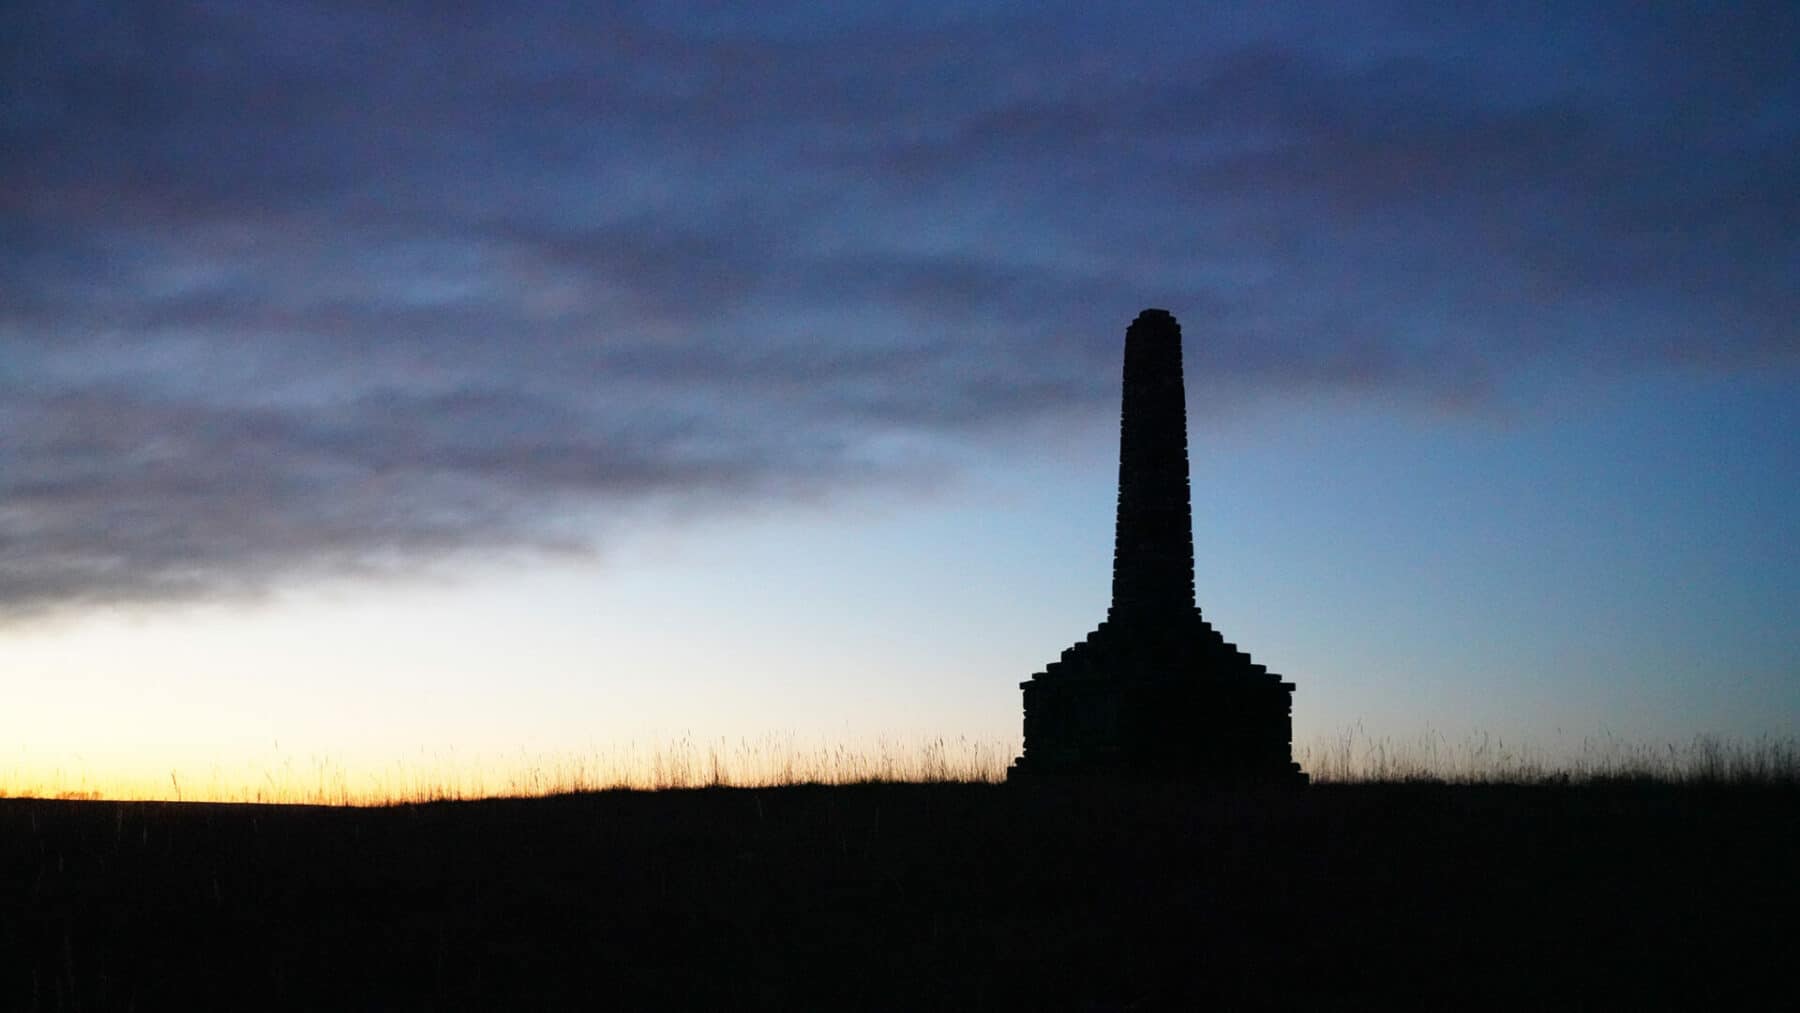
1351, 757
768, 762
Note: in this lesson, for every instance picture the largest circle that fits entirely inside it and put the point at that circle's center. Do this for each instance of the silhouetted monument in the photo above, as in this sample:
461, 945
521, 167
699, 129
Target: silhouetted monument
1155, 690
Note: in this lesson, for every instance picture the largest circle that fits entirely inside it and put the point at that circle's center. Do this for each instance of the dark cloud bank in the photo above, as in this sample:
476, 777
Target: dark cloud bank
337, 287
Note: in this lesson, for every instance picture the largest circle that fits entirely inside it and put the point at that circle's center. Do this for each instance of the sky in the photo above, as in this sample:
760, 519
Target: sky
406, 380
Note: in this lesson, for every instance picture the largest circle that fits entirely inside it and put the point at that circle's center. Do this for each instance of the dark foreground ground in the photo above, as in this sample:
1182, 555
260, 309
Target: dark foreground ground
953, 897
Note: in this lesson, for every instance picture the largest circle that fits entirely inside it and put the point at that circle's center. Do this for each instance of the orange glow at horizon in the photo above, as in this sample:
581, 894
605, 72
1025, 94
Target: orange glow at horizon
683, 763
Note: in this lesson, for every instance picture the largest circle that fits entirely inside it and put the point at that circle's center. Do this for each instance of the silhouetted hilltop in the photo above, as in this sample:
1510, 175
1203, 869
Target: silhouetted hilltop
966, 897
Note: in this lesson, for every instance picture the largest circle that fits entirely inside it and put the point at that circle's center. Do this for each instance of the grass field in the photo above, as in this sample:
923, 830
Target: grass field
766, 876
1613, 894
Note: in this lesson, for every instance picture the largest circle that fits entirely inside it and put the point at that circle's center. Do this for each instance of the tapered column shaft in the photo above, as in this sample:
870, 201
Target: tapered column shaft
1153, 542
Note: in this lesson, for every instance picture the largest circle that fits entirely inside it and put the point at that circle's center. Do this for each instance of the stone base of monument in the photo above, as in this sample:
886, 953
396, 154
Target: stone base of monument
1169, 700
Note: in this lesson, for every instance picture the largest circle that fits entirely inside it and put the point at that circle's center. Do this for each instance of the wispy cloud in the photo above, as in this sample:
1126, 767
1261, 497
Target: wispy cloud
289, 288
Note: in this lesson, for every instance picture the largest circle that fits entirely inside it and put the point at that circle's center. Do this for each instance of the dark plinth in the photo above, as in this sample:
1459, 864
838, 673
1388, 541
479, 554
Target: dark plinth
1155, 691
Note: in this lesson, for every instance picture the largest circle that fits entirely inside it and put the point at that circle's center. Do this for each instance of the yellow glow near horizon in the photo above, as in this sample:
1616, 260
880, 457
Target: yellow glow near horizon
496, 683
834, 630
771, 760
781, 760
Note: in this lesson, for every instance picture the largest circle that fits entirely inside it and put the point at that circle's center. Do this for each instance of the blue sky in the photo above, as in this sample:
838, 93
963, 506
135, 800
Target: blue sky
535, 379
